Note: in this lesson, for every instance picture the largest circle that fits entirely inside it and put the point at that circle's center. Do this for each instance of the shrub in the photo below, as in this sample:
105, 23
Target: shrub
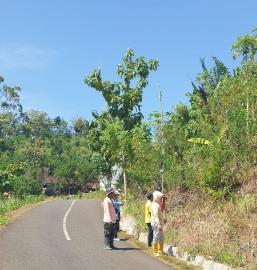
24, 185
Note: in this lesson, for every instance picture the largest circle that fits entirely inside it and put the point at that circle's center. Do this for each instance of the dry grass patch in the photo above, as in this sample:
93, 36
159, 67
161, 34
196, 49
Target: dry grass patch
225, 232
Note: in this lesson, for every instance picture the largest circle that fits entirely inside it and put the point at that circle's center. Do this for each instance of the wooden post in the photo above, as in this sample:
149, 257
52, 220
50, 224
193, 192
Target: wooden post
162, 141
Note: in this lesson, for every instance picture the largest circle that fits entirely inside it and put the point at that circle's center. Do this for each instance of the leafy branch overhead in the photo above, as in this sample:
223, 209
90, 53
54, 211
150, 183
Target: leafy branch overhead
246, 46
124, 98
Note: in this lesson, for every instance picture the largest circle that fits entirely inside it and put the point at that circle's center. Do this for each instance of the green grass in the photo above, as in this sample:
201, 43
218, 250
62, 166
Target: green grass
221, 256
3, 220
136, 208
92, 195
229, 258
169, 236
9, 205
81, 195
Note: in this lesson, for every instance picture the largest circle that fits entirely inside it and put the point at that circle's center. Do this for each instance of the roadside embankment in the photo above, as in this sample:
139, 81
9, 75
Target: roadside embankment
205, 230
130, 226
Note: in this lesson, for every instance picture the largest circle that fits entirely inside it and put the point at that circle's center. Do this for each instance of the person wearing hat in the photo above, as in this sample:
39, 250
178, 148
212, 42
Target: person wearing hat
109, 219
148, 205
157, 222
121, 195
117, 204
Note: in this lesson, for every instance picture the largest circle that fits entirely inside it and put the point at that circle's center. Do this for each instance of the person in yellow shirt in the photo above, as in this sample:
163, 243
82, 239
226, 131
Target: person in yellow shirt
148, 218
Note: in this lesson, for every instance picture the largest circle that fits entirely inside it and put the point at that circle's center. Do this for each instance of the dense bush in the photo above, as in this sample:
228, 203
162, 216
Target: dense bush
25, 185
211, 142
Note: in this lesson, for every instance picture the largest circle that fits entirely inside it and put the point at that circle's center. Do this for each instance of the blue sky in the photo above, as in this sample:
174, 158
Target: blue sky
47, 47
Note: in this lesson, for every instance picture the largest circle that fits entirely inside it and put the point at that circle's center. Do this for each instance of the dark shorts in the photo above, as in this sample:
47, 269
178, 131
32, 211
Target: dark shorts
109, 228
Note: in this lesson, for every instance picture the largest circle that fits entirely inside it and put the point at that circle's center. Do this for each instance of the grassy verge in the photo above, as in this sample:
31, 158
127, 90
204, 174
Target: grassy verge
91, 195
223, 231
136, 208
169, 260
100, 195
9, 205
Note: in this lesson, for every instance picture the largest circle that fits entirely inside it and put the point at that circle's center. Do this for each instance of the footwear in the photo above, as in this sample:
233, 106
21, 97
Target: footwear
107, 245
116, 239
155, 249
160, 249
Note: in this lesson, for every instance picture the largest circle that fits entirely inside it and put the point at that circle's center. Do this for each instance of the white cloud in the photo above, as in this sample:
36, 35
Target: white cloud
26, 56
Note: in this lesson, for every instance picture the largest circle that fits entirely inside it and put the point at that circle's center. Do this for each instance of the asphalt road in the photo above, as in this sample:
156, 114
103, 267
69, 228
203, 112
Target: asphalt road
36, 241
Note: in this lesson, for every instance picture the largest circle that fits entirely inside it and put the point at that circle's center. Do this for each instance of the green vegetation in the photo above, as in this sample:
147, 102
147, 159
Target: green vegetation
91, 195
117, 129
209, 144
136, 208
35, 149
207, 148
8, 205
229, 258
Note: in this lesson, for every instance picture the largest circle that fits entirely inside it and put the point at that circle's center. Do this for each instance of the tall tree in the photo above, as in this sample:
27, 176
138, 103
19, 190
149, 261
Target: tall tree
124, 98
10, 112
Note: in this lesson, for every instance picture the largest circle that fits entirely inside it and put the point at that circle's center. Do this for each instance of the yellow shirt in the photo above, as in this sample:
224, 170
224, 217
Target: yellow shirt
148, 211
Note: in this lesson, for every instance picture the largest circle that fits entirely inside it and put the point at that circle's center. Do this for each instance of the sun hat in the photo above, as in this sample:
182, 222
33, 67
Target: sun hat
117, 192
157, 195
109, 191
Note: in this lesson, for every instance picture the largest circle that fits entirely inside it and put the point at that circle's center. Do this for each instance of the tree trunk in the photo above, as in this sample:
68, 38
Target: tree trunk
109, 181
125, 183
124, 176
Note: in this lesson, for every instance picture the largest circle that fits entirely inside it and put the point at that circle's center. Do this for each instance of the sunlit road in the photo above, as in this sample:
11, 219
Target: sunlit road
38, 240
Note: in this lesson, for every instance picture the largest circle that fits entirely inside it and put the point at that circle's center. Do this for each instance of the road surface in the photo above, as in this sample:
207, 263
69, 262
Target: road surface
38, 241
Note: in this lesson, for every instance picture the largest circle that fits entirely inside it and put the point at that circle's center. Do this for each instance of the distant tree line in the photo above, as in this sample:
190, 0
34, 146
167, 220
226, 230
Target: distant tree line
35, 148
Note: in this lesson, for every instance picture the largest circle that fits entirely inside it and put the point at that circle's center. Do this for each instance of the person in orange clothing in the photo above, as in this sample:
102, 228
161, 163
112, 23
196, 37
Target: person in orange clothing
148, 205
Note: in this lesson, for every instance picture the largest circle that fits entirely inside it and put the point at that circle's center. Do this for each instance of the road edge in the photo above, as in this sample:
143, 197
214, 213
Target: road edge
17, 213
